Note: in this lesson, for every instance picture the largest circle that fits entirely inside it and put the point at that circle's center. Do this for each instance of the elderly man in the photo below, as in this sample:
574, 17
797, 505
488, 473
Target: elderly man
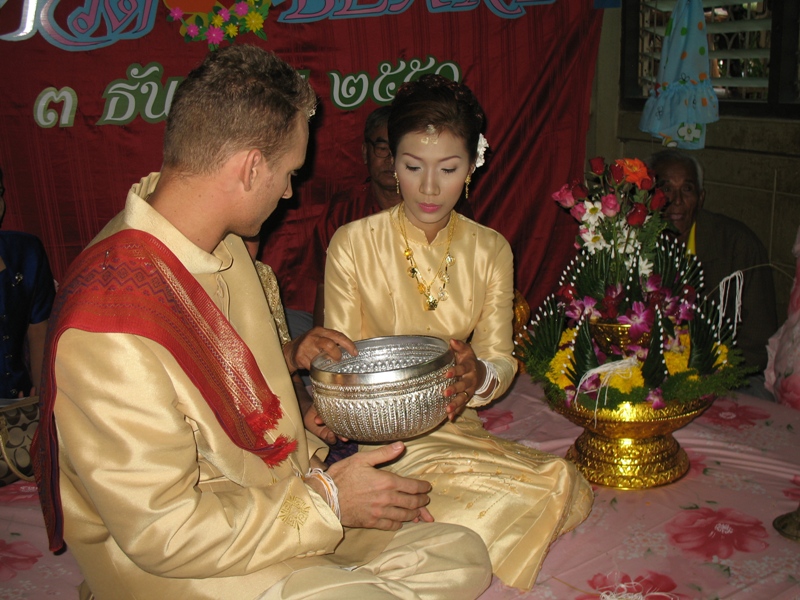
171, 454
723, 245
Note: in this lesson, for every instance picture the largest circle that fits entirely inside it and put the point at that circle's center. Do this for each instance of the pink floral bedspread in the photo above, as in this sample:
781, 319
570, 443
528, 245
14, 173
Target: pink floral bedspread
706, 537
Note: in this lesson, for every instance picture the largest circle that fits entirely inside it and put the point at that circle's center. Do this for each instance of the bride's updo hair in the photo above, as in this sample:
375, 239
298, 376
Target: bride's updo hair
435, 101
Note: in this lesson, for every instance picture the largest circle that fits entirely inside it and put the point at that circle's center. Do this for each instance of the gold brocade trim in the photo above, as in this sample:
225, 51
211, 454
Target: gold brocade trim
294, 512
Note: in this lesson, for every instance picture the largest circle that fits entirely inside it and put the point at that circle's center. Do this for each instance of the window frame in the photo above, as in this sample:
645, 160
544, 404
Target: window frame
783, 72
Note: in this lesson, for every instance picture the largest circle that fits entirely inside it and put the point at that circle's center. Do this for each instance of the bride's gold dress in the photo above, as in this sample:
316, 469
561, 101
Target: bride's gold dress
517, 498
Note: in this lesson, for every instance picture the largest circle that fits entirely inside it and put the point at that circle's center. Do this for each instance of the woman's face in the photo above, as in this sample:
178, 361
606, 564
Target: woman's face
431, 168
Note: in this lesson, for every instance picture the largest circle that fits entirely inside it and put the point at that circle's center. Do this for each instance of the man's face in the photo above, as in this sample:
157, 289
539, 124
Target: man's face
685, 198
378, 158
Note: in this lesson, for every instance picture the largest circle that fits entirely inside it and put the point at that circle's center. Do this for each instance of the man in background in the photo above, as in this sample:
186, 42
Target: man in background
723, 245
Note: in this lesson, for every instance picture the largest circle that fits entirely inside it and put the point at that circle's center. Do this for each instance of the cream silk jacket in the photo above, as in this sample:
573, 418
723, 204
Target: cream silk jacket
369, 293
158, 502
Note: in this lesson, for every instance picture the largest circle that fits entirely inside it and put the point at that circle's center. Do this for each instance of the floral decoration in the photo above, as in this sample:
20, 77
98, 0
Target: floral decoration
483, 146
222, 24
707, 533
668, 344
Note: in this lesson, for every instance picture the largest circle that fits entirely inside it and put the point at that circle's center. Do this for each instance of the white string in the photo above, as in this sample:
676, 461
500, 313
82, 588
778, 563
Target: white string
724, 288
623, 368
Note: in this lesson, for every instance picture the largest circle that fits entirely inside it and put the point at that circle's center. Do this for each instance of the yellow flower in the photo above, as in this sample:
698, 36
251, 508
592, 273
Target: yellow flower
217, 21
626, 380
677, 358
231, 30
722, 355
567, 336
560, 362
255, 22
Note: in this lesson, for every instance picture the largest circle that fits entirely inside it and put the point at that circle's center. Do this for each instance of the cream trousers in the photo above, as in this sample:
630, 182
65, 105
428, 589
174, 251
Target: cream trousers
426, 561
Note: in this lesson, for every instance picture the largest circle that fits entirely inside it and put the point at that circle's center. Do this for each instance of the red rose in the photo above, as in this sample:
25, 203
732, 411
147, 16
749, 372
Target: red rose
659, 200
646, 183
598, 165
637, 215
617, 172
579, 191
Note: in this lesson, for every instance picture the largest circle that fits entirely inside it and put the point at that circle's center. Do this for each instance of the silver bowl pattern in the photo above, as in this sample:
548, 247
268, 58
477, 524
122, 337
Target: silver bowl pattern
392, 390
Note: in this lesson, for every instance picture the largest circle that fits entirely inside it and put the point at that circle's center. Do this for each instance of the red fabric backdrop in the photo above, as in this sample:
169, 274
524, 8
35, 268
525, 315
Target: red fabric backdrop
531, 73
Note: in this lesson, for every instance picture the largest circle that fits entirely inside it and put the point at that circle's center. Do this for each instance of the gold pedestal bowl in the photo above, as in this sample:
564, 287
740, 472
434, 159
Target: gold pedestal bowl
631, 447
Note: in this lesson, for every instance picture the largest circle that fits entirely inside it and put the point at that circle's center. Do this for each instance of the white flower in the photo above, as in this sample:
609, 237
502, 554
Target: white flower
593, 213
689, 132
482, 146
645, 267
592, 240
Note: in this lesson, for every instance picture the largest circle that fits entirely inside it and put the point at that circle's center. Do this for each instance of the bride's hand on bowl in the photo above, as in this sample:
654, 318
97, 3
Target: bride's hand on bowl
464, 376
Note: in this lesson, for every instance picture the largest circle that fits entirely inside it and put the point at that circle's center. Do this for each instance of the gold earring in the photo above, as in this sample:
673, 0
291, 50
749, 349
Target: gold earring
397, 182
466, 190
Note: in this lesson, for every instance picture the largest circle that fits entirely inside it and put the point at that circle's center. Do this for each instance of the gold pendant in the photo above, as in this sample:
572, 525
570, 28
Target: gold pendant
430, 302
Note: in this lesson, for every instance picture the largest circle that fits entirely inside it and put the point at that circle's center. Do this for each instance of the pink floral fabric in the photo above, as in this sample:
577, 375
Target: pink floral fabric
708, 535
727, 413
711, 533
783, 367
16, 556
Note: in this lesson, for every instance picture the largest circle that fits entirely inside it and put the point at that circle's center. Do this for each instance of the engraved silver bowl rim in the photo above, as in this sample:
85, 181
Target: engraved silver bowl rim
325, 370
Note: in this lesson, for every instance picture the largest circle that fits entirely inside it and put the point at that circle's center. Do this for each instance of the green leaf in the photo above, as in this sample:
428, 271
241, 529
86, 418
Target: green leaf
654, 369
585, 359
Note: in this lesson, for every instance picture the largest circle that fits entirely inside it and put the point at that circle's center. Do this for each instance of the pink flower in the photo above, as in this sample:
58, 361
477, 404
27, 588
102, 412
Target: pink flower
640, 317
192, 30
241, 8
736, 416
578, 211
656, 398
582, 307
788, 390
564, 196
176, 13
496, 420
610, 205
707, 533
653, 586
214, 35
16, 556
793, 493
225, 14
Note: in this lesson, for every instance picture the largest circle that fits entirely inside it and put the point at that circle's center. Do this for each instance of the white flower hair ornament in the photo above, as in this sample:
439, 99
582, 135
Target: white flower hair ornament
482, 146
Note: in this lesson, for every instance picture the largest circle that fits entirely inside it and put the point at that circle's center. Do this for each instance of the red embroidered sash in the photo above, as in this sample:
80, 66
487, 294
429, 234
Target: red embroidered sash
132, 283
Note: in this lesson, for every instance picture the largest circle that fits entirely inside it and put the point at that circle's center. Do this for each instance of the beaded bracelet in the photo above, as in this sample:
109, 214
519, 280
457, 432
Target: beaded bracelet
331, 491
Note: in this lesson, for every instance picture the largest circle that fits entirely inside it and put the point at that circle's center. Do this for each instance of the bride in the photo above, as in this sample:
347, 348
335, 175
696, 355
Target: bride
420, 268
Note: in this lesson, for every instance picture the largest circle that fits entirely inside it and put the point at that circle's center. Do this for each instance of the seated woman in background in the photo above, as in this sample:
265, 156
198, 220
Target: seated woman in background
461, 288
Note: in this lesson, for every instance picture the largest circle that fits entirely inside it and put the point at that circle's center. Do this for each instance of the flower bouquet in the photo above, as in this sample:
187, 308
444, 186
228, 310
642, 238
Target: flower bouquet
626, 348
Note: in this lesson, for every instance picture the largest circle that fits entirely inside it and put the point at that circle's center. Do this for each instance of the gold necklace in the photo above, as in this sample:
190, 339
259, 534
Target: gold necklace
431, 301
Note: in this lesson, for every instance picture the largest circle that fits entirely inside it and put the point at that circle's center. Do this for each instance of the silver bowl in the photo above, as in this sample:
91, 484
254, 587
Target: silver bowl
392, 390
